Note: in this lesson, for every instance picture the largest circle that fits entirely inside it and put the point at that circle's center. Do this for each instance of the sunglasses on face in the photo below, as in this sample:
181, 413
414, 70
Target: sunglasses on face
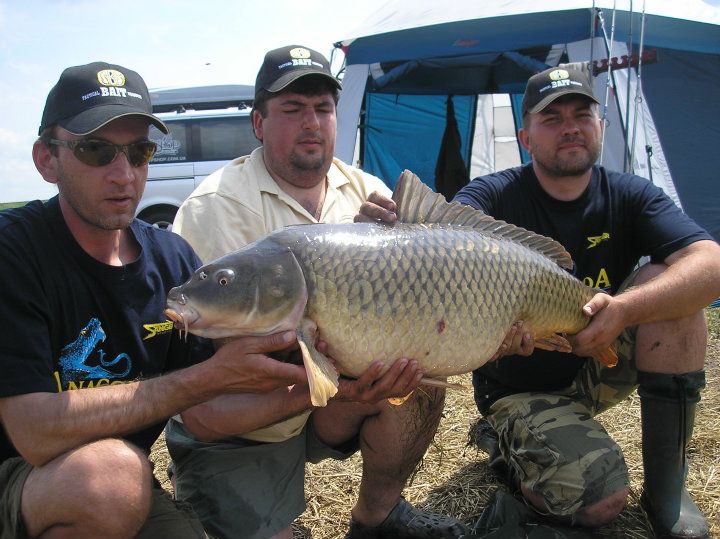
98, 153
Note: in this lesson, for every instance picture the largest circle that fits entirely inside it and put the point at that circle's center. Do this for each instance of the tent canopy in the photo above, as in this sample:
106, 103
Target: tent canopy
429, 48
404, 30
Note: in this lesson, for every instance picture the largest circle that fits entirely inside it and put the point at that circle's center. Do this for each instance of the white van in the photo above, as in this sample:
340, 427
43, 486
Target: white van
209, 126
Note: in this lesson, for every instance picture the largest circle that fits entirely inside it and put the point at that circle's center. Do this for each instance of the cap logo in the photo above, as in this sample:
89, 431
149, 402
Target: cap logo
111, 77
299, 53
558, 74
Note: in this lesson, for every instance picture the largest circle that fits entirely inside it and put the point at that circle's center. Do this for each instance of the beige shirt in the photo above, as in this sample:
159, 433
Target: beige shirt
241, 203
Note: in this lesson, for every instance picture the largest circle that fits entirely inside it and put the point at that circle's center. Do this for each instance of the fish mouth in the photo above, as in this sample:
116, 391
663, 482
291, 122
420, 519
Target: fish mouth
183, 317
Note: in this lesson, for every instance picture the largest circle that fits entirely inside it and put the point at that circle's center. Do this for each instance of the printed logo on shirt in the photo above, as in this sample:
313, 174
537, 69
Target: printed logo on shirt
594, 240
83, 362
157, 329
602, 282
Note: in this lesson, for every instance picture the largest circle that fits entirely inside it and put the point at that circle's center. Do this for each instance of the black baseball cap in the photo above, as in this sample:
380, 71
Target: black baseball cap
281, 67
89, 96
545, 87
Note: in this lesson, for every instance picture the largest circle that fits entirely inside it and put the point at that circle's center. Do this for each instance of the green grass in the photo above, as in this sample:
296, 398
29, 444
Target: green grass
713, 318
5, 205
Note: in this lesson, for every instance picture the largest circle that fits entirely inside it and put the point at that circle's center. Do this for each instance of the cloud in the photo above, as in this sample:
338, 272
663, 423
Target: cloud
20, 181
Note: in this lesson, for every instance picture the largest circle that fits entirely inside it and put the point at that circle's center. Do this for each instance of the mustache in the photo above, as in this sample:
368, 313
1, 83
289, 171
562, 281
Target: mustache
317, 138
572, 139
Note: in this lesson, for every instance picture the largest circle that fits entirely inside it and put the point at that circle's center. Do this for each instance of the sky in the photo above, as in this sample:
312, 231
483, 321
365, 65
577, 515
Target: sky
169, 42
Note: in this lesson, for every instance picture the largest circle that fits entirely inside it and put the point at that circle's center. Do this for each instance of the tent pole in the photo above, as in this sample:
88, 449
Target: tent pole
638, 93
593, 23
608, 47
627, 92
610, 79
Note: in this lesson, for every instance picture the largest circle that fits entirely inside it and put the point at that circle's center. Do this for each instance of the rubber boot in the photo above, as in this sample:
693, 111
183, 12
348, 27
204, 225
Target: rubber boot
667, 403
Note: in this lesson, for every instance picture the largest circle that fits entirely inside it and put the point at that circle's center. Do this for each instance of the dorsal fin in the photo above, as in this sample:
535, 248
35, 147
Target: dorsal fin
417, 203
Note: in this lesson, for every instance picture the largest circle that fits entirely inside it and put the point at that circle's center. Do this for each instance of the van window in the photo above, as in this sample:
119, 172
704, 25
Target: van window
209, 126
173, 147
220, 139
204, 139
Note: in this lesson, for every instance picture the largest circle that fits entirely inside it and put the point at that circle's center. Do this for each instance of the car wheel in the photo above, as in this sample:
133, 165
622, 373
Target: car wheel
159, 217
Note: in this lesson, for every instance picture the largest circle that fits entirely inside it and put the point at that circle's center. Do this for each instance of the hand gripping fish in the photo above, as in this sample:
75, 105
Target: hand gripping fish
442, 286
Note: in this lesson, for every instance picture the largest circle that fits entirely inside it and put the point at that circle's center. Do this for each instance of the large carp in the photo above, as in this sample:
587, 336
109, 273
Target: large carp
443, 289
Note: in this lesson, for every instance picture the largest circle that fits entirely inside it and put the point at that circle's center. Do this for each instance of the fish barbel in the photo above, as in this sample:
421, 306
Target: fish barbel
443, 289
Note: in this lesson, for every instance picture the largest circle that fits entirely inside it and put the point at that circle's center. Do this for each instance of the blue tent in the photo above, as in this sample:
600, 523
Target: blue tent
663, 117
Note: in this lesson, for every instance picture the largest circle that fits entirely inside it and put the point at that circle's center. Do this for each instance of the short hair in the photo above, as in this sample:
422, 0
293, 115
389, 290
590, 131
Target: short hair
308, 85
45, 135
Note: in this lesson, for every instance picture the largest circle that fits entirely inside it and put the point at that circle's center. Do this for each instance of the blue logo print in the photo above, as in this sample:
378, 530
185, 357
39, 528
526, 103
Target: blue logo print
74, 357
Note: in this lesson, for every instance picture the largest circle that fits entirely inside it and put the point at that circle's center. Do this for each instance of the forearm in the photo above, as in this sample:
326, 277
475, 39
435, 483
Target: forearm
235, 415
690, 282
42, 426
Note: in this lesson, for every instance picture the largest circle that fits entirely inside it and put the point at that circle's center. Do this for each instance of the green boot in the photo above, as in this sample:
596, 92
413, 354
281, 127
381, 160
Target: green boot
667, 403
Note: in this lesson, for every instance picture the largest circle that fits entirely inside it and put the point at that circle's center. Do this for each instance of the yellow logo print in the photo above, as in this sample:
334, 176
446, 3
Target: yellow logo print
299, 52
111, 77
157, 329
594, 240
558, 74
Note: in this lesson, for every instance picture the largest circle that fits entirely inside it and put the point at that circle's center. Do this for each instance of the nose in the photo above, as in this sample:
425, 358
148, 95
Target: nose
120, 170
570, 125
310, 119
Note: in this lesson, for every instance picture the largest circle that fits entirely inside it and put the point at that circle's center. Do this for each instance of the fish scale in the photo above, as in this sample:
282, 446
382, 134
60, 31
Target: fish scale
444, 291
418, 301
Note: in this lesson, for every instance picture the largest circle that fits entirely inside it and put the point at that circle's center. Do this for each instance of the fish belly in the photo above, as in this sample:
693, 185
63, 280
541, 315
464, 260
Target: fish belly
443, 297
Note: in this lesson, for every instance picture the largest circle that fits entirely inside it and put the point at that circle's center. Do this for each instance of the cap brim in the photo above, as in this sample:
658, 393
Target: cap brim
288, 78
93, 119
558, 94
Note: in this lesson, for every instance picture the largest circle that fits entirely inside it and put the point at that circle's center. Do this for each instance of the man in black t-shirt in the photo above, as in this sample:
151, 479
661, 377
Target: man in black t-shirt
542, 406
91, 368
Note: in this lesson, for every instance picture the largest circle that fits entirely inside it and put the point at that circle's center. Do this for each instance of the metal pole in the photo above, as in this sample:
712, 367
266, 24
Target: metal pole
627, 92
608, 47
638, 92
592, 34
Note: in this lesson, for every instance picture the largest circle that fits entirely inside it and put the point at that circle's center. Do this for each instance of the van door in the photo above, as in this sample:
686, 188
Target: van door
219, 140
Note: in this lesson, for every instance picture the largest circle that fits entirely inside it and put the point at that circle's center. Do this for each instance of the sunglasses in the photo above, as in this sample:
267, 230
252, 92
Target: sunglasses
98, 153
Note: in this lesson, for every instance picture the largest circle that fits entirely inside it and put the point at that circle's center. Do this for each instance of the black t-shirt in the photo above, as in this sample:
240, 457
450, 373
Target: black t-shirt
617, 220
69, 322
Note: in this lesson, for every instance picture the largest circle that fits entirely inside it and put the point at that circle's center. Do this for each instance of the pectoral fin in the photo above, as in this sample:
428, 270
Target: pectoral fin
437, 382
558, 343
554, 343
321, 373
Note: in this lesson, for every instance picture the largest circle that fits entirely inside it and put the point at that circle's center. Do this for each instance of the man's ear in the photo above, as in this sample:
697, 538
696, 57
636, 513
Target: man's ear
45, 162
524, 139
257, 124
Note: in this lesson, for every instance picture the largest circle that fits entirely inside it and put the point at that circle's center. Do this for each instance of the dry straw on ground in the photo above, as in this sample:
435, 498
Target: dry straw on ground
455, 479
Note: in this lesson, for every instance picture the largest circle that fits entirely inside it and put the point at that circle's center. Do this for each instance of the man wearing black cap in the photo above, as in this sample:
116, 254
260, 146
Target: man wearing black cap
250, 452
84, 342
545, 437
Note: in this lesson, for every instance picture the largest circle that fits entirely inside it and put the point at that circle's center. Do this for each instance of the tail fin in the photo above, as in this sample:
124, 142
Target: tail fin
607, 357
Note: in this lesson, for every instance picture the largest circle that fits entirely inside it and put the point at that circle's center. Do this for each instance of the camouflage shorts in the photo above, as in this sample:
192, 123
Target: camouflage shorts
551, 440
555, 447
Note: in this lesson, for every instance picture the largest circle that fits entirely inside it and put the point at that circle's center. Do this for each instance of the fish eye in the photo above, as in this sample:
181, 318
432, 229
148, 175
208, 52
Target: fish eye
202, 275
225, 277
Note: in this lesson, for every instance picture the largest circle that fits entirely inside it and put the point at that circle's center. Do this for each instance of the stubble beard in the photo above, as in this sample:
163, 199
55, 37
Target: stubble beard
573, 165
70, 189
305, 164
308, 168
